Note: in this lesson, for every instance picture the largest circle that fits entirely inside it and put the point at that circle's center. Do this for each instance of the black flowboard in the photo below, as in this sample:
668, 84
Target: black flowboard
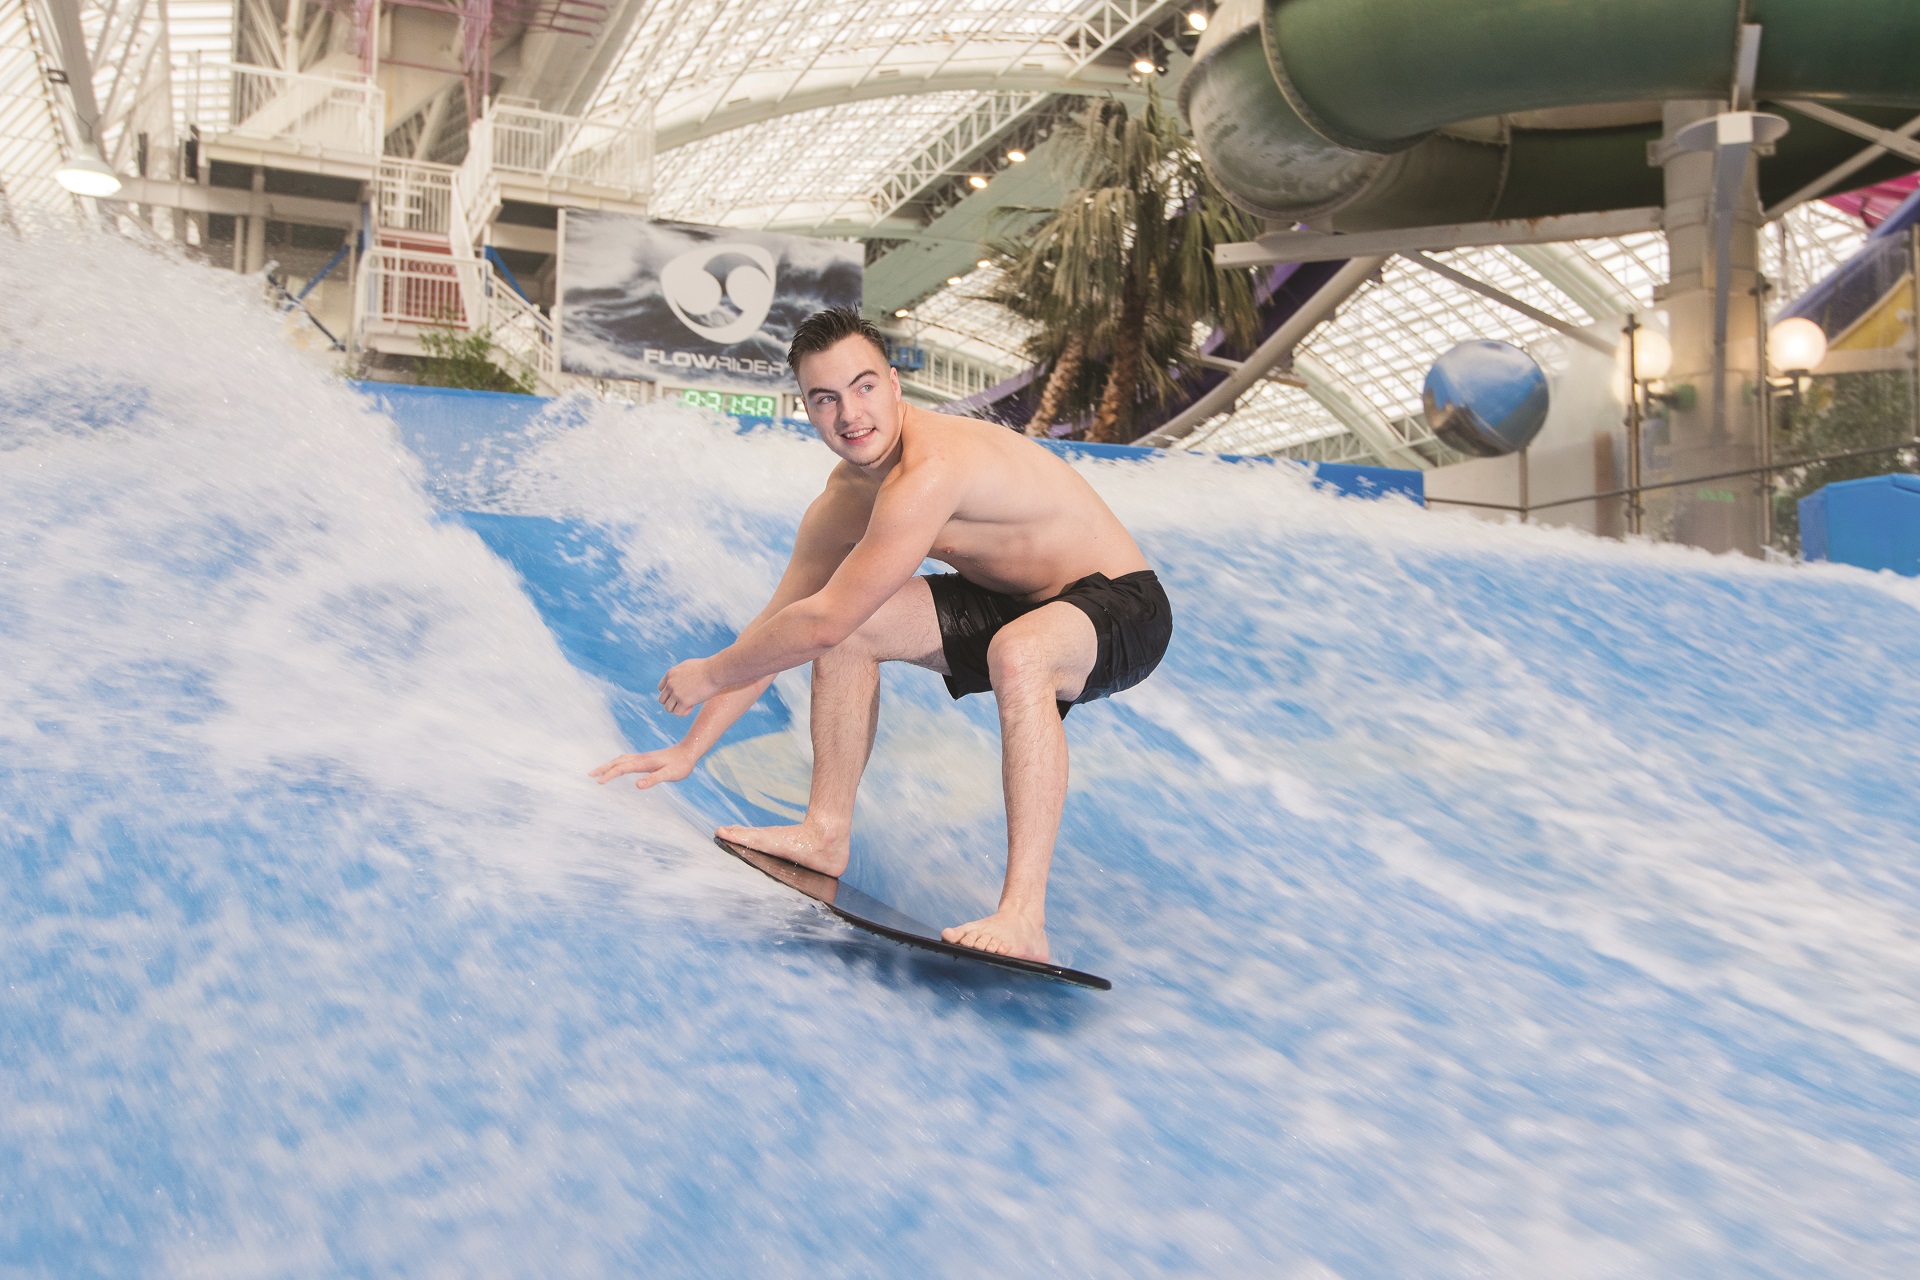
875, 916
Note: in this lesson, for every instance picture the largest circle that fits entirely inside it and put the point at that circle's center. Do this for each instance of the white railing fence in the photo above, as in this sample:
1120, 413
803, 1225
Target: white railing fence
413, 196
404, 290
522, 139
476, 188
424, 290
311, 113
521, 331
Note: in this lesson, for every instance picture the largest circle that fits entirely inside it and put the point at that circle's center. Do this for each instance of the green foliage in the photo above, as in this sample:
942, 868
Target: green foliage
1837, 414
1126, 266
466, 361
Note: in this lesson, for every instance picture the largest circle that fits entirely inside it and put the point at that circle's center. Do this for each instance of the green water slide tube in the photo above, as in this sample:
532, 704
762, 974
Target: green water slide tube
1360, 115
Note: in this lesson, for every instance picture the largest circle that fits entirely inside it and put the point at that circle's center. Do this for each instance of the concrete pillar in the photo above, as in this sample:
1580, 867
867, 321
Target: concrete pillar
256, 227
1719, 515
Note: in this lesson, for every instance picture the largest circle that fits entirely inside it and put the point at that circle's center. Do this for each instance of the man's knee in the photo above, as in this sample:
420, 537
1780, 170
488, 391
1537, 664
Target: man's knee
905, 629
857, 647
1017, 664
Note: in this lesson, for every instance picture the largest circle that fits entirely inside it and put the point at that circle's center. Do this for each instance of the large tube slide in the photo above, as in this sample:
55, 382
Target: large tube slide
1359, 115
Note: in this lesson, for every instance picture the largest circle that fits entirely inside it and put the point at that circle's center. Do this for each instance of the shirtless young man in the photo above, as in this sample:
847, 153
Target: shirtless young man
1053, 604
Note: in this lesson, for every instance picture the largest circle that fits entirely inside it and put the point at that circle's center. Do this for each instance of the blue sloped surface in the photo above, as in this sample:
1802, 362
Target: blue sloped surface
1478, 902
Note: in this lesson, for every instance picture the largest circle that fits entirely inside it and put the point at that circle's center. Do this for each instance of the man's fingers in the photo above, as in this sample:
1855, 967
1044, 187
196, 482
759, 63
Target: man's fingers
622, 766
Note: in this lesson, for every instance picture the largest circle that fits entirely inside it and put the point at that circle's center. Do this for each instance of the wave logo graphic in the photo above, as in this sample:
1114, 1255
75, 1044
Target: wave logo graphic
693, 289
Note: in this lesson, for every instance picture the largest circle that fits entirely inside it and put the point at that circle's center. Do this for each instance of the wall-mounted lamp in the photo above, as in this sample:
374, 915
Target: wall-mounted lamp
1652, 354
1795, 347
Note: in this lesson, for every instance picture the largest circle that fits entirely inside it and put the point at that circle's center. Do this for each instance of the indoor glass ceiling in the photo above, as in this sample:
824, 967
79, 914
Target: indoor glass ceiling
689, 58
802, 170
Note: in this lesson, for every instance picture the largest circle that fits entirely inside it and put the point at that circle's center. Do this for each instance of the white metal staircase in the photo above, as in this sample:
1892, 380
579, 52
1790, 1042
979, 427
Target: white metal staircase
424, 272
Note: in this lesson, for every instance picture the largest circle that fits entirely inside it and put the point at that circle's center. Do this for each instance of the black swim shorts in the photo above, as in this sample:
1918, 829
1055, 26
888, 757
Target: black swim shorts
1132, 623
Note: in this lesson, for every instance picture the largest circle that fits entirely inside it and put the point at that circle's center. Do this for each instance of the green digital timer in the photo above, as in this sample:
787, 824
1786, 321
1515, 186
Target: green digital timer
738, 404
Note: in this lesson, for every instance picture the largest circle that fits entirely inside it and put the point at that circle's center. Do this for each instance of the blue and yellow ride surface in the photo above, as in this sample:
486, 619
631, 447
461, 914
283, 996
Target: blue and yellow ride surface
1478, 900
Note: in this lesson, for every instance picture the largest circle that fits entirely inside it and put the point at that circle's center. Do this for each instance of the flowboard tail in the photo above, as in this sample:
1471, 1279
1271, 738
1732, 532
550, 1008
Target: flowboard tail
875, 916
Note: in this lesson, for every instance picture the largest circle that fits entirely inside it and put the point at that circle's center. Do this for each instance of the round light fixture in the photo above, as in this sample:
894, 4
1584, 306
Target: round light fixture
1196, 19
1144, 66
984, 262
1796, 345
977, 182
86, 175
953, 279
901, 313
1016, 156
1652, 355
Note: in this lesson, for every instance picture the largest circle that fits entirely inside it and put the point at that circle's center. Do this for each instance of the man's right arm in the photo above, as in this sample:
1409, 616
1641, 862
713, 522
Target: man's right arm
827, 533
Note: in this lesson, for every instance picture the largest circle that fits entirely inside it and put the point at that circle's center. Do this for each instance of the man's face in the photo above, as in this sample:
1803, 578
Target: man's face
853, 400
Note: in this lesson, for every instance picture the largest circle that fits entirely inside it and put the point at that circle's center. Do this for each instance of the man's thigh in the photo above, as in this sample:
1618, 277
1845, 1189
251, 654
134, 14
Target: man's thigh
1057, 636
906, 629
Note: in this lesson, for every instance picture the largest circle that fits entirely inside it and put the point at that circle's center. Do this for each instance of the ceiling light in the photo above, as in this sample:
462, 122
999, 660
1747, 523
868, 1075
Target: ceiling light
977, 182
1197, 19
1016, 156
86, 175
1143, 66
900, 313
984, 262
953, 279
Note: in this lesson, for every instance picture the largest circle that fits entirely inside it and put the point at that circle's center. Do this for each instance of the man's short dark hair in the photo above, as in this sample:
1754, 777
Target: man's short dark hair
823, 329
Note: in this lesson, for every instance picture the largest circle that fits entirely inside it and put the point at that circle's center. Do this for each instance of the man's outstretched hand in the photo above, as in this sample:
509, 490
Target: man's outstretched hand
686, 686
668, 765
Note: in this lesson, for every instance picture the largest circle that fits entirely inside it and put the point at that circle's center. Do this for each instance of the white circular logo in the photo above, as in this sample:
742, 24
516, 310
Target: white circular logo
692, 289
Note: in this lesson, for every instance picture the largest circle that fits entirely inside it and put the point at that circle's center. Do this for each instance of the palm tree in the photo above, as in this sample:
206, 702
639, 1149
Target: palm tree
1121, 275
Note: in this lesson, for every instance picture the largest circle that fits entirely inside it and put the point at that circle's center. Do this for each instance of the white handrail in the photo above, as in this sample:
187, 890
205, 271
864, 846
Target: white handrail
407, 289
414, 196
570, 148
476, 188
340, 113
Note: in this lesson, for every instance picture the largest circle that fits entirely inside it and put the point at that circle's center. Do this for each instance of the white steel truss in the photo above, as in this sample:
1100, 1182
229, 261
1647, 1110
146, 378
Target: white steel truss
708, 67
33, 138
963, 139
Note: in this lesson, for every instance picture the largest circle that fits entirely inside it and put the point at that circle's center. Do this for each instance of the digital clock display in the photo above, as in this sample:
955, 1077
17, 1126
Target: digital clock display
738, 404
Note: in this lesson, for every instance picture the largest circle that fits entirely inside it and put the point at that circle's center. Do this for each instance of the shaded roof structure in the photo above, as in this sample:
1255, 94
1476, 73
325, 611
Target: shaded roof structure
892, 122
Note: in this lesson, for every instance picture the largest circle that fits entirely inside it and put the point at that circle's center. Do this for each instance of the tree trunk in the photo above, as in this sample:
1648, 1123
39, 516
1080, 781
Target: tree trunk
1066, 371
1113, 420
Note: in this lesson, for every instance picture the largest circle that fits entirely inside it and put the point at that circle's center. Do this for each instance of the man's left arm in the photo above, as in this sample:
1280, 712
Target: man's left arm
907, 516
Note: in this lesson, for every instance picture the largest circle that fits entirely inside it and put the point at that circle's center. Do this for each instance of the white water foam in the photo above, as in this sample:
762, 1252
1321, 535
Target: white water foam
1480, 900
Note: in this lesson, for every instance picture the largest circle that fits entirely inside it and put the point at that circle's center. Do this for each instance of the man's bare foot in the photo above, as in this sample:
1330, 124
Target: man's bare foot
1004, 934
803, 844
